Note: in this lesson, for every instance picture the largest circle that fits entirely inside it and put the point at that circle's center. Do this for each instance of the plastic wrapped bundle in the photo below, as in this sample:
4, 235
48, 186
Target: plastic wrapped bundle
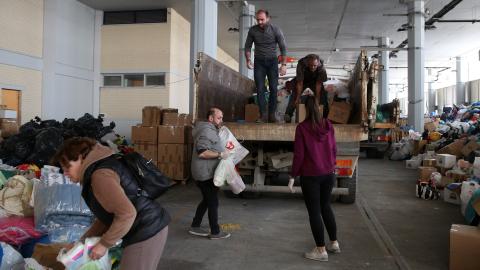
61, 211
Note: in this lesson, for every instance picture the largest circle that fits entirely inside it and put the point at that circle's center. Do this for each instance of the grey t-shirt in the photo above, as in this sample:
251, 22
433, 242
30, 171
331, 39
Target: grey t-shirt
266, 41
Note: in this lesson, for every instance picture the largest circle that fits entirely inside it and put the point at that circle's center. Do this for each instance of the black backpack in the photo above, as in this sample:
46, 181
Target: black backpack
151, 180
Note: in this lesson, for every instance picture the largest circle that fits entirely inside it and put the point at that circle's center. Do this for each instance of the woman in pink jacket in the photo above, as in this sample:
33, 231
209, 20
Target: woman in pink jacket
314, 161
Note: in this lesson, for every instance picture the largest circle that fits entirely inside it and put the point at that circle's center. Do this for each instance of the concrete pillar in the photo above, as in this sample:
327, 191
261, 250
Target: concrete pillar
431, 97
203, 31
416, 63
246, 20
460, 87
98, 78
383, 92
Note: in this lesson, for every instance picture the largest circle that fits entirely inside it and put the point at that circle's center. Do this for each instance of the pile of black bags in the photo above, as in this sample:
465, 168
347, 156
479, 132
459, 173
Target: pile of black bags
38, 140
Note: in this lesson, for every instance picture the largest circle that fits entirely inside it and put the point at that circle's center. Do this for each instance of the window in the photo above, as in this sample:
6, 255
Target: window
135, 16
112, 80
155, 80
133, 80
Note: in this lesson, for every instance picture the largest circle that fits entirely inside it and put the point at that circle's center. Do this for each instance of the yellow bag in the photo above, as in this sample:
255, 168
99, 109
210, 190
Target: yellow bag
15, 196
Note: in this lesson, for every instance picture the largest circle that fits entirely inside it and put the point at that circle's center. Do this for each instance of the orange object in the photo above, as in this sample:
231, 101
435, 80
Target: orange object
289, 59
344, 163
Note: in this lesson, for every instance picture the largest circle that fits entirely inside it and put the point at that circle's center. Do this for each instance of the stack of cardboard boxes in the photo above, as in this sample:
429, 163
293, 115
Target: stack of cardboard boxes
165, 137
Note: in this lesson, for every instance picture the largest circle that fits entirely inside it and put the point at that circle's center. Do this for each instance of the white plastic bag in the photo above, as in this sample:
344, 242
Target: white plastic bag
226, 174
77, 257
468, 188
11, 260
237, 151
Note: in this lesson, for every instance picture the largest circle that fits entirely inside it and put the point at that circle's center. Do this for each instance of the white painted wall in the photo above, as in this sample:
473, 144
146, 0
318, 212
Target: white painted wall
70, 53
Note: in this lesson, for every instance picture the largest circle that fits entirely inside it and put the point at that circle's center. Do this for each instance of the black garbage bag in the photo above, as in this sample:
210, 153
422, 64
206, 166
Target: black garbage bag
48, 140
8, 145
29, 127
68, 123
50, 123
13, 161
23, 149
41, 158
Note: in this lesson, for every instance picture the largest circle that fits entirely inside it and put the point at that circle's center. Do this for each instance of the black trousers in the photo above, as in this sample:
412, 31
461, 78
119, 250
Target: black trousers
210, 203
317, 191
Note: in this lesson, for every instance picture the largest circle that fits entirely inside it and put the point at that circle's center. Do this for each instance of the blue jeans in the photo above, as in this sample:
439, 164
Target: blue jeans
266, 67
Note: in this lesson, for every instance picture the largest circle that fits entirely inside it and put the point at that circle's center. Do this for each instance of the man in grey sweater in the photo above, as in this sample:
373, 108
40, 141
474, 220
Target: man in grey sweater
207, 153
266, 36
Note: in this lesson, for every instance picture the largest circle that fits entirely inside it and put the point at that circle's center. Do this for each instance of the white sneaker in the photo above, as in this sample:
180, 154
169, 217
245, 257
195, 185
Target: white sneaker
316, 255
333, 247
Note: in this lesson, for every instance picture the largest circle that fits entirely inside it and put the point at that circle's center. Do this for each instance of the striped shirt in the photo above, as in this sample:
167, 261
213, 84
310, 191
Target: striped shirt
266, 41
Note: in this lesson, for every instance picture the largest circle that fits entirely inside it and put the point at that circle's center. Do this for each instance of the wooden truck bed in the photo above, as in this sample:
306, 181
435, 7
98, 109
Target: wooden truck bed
286, 132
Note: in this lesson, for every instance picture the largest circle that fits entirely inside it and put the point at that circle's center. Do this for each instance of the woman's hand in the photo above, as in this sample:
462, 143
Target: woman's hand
98, 251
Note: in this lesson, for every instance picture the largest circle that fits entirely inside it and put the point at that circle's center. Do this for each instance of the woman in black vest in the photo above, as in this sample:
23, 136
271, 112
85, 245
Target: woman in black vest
110, 191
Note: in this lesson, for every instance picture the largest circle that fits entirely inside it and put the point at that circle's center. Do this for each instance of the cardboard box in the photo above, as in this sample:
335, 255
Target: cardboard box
454, 148
175, 171
413, 163
446, 180
8, 127
46, 255
418, 147
174, 134
471, 146
174, 153
425, 172
144, 135
464, 247
429, 162
151, 116
446, 161
457, 176
170, 118
452, 196
340, 112
148, 151
252, 113
300, 113
185, 119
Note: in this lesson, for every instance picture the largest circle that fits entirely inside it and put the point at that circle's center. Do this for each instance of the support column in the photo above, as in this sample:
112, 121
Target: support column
416, 63
203, 31
431, 98
460, 87
383, 92
246, 20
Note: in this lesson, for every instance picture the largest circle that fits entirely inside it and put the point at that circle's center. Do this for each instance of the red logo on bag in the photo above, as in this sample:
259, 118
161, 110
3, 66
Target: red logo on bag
230, 145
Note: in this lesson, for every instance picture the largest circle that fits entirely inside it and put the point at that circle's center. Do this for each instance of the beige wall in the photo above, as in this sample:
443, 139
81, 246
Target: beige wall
30, 81
127, 103
135, 47
21, 26
178, 82
226, 59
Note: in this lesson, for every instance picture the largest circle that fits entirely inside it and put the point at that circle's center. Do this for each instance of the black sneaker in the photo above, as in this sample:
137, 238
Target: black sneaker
220, 235
198, 231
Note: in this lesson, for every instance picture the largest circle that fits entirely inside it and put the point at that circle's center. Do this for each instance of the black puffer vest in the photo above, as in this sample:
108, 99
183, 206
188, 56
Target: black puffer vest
151, 216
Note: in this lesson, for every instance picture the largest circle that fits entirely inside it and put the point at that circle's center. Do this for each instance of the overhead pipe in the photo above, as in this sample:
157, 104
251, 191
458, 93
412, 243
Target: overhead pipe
429, 23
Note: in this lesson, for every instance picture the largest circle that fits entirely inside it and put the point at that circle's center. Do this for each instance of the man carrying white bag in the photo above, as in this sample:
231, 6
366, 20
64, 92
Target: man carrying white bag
226, 172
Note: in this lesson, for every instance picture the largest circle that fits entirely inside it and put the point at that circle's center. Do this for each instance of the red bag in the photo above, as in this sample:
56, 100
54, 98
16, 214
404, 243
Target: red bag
17, 230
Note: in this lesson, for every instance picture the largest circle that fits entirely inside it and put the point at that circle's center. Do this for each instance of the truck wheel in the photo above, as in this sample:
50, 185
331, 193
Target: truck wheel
351, 184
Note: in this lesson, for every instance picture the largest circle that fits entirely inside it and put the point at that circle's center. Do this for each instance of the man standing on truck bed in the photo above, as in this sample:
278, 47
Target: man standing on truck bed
266, 36
310, 74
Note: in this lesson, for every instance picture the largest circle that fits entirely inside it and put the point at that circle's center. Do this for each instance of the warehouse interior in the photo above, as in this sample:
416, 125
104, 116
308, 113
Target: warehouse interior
139, 75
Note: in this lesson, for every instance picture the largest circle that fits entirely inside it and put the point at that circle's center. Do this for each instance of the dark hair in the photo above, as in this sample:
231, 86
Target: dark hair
211, 112
313, 56
71, 149
313, 113
262, 11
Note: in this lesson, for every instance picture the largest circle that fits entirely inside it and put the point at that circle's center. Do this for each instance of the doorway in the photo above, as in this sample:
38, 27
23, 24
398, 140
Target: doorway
11, 100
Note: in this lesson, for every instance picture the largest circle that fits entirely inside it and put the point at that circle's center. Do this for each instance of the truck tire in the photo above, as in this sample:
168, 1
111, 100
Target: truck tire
351, 184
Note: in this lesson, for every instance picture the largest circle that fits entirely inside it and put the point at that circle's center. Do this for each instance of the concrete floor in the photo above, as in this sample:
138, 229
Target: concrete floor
387, 228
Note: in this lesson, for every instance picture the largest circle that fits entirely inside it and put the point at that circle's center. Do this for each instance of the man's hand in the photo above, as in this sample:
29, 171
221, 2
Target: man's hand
283, 70
297, 101
224, 154
98, 251
249, 64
